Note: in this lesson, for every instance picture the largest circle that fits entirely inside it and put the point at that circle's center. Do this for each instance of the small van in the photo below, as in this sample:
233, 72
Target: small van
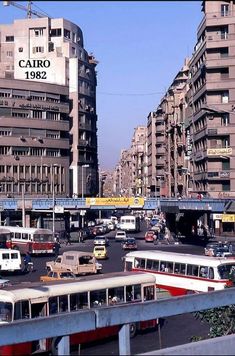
78, 262
10, 260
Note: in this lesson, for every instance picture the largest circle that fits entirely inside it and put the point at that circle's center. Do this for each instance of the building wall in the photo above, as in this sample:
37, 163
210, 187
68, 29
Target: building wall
43, 50
212, 98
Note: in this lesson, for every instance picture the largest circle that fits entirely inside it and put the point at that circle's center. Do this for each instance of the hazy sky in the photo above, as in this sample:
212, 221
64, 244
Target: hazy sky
140, 46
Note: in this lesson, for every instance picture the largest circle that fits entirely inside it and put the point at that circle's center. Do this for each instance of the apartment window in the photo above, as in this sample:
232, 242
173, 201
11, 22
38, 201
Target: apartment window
225, 97
225, 120
38, 49
224, 33
224, 52
9, 38
225, 142
38, 32
226, 187
20, 49
224, 10
66, 33
55, 32
224, 73
225, 165
73, 51
9, 54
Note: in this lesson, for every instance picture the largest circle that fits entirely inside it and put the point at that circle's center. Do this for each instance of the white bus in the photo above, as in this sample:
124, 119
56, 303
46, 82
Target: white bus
43, 300
130, 223
181, 273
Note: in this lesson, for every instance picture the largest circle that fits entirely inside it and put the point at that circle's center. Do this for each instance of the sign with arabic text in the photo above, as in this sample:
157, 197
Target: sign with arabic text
228, 218
116, 201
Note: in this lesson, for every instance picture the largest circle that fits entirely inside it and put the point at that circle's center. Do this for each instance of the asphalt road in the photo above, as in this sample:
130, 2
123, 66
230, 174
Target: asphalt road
174, 331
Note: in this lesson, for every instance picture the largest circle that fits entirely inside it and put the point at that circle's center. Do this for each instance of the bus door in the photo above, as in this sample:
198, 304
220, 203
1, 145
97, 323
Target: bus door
39, 309
149, 293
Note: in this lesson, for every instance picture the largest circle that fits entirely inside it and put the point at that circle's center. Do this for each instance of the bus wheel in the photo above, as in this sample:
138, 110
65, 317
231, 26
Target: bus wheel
133, 330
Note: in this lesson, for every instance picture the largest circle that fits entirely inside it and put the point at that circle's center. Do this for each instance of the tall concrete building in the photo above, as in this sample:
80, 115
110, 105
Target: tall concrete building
210, 126
48, 121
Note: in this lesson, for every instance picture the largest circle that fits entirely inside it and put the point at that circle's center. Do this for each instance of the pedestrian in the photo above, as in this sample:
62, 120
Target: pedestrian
27, 260
57, 247
68, 242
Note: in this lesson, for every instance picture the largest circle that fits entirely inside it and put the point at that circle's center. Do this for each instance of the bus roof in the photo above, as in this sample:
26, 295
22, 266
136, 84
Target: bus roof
181, 257
31, 291
5, 229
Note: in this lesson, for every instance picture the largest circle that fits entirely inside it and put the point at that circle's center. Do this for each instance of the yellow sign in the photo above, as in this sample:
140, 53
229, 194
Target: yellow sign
116, 201
228, 218
219, 151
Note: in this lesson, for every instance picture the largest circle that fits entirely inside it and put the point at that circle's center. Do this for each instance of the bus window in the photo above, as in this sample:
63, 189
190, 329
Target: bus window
5, 256
211, 273
17, 235
169, 267
149, 264
98, 298
133, 293
156, 265
139, 263
25, 236
203, 272
149, 293
116, 295
179, 268
163, 266
5, 311
53, 305
21, 310
63, 303
192, 270
78, 301
14, 256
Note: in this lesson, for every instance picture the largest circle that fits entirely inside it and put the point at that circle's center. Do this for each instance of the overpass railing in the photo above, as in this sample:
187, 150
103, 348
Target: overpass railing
69, 323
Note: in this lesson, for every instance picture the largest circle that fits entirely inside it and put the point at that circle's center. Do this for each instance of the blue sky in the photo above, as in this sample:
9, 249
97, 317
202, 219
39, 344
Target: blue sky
140, 46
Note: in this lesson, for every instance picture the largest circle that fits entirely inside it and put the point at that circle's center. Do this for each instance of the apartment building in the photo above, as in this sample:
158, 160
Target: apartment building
210, 125
167, 167
48, 121
139, 161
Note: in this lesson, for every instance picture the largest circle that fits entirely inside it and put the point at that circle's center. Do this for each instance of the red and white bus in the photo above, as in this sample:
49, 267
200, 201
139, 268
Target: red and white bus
26, 239
40, 299
181, 273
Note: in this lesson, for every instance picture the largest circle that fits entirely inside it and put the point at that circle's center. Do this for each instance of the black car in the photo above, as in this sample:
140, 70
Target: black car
129, 244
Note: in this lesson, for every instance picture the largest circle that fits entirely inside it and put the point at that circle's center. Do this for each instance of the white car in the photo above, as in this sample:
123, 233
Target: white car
120, 235
101, 240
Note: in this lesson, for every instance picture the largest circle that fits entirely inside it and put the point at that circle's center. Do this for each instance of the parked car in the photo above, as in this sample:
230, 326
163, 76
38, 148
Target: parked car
120, 235
58, 275
101, 240
129, 244
149, 236
100, 252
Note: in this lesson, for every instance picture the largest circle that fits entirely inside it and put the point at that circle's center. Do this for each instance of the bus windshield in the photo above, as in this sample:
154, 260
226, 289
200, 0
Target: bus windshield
43, 238
226, 271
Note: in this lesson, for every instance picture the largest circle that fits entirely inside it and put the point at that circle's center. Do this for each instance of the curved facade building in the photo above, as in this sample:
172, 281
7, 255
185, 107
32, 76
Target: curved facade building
48, 121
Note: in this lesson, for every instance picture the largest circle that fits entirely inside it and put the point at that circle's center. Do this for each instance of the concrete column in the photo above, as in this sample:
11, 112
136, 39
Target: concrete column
124, 340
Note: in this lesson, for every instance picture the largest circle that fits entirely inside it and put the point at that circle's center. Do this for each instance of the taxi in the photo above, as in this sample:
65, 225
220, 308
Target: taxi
100, 252
58, 275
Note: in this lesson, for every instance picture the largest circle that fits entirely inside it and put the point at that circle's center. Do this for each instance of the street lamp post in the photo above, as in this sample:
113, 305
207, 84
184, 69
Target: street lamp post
83, 166
53, 198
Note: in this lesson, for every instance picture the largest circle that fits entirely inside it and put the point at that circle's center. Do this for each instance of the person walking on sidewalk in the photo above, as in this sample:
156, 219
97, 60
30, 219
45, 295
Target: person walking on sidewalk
68, 242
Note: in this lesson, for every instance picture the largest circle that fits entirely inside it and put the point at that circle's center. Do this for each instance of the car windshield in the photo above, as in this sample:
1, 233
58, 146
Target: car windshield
99, 249
131, 241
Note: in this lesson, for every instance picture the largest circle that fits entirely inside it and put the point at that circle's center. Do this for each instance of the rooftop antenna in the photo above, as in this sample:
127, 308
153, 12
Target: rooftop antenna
27, 8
